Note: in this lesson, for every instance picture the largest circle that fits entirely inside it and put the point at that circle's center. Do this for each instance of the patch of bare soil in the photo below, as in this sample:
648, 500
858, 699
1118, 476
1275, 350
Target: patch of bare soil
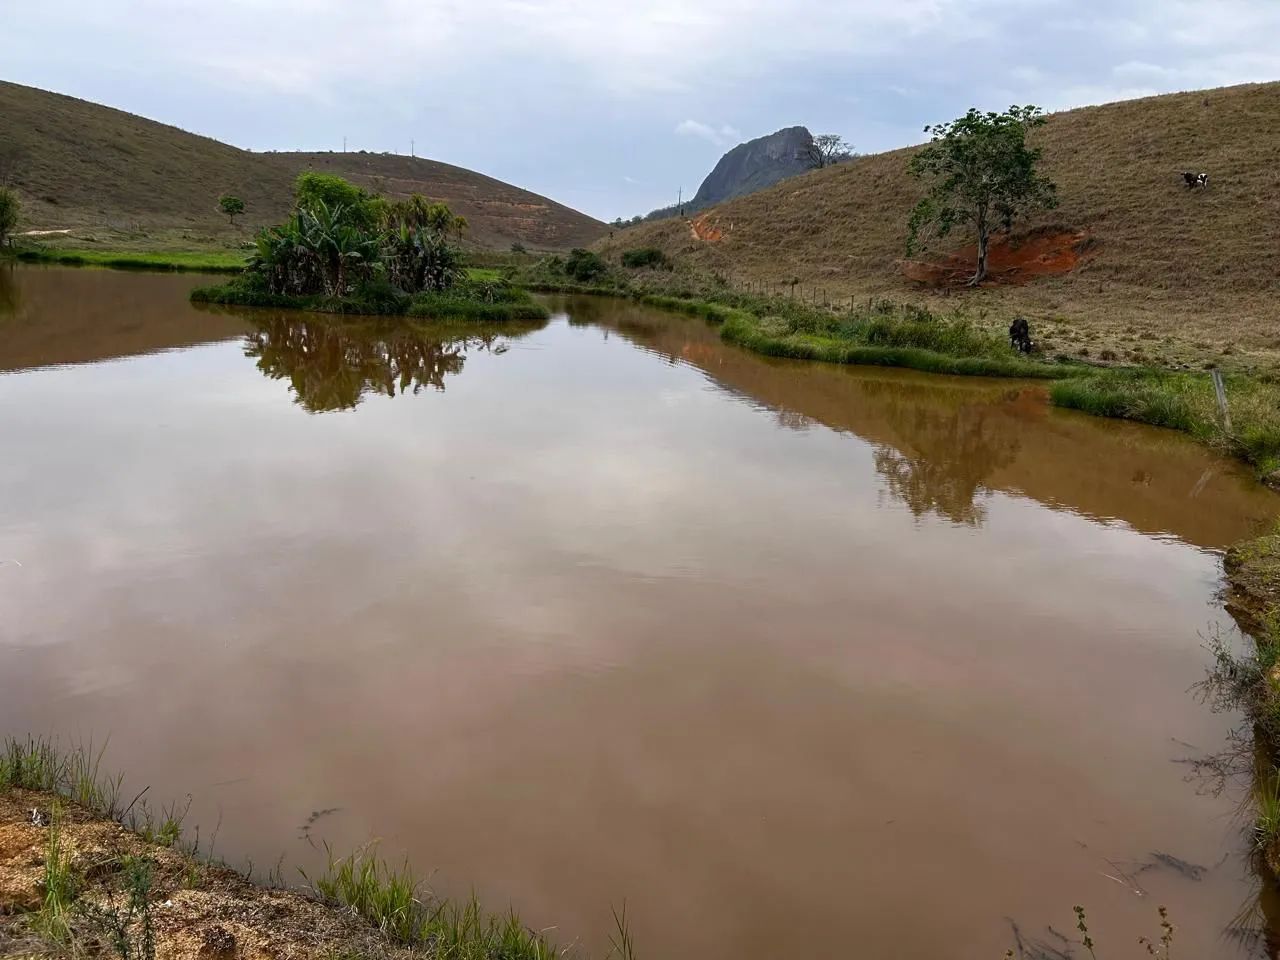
199, 911
1047, 252
704, 230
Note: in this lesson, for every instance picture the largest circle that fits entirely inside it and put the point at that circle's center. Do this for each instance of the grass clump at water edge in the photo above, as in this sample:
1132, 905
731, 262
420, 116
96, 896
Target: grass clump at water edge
1185, 401
59, 884
881, 334
877, 333
38, 764
396, 902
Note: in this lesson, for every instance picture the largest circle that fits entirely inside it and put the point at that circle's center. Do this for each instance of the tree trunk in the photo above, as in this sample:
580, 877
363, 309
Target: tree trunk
984, 240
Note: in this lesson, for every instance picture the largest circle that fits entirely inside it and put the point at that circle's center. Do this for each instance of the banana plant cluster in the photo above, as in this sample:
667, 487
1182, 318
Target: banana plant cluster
420, 258
330, 248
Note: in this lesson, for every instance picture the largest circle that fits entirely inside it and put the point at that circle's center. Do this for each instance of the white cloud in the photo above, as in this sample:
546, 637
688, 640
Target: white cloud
664, 45
722, 136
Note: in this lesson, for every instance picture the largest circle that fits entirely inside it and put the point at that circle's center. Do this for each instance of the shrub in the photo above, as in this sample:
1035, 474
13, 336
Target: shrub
380, 296
585, 266
641, 257
326, 188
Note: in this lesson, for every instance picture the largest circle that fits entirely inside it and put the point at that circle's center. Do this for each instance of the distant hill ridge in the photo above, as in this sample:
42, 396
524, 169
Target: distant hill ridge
82, 165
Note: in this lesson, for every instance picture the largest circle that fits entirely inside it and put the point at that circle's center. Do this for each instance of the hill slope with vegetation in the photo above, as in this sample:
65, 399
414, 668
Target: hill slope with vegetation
1168, 274
117, 176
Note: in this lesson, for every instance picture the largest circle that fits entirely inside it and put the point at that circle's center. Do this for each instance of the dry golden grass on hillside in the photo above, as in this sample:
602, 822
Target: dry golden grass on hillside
129, 182
1177, 277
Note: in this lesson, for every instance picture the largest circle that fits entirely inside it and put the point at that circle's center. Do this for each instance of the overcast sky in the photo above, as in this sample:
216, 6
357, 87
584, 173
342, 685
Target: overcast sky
611, 105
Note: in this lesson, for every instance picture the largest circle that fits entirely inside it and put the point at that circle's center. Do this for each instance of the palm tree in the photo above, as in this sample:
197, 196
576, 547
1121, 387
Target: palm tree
341, 246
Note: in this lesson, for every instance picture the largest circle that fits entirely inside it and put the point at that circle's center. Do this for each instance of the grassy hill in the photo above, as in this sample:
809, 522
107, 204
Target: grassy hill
129, 181
1173, 276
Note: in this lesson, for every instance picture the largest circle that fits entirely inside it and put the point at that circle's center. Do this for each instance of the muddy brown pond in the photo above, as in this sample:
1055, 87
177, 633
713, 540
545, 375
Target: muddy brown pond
795, 660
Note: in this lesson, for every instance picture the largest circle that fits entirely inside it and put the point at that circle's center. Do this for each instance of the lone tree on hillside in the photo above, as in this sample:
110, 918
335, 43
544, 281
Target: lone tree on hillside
9, 207
981, 171
825, 150
231, 206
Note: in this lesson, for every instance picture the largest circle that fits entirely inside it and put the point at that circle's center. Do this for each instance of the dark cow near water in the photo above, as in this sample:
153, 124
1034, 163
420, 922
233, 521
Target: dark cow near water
1020, 335
1194, 180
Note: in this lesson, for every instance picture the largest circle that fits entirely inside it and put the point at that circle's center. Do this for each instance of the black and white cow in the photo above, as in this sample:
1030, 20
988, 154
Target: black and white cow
1194, 180
1020, 335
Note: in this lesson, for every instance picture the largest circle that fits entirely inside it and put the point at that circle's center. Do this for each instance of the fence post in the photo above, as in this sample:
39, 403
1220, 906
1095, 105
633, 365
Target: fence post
1220, 391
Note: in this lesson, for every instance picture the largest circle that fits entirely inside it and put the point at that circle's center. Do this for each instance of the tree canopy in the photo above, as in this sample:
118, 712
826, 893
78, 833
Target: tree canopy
231, 205
328, 188
981, 172
827, 149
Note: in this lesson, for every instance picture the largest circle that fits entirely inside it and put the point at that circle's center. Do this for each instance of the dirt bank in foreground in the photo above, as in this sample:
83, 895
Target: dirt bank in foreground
197, 911
1252, 570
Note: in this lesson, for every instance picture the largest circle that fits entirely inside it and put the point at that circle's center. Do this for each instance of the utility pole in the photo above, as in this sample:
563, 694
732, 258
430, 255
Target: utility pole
411, 146
344, 144
680, 202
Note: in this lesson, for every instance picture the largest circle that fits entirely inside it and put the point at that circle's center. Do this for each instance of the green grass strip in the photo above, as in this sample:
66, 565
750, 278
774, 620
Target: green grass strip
213, 261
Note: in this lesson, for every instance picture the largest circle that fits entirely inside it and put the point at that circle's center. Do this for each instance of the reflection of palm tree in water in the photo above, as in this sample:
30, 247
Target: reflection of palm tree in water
952, 452
332, 365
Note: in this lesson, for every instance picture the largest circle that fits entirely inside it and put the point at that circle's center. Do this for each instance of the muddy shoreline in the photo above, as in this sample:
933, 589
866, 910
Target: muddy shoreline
198, 909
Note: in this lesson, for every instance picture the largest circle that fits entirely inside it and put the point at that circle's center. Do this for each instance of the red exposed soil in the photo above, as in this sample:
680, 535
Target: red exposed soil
703, 229
1010, 260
